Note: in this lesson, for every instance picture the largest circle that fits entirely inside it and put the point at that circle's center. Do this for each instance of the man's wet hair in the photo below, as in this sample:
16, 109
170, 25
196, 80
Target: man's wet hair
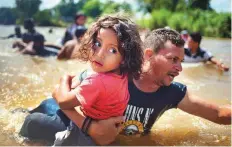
79, 14
29, 23
157, 38
18, 31
196, 37
129, 43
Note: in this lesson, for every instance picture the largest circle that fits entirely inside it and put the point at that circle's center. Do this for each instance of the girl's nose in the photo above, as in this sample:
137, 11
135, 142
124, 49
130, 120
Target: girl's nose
101, 53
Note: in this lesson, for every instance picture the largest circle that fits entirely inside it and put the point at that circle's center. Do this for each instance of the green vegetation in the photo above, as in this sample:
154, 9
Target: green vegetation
209, 23
193, 15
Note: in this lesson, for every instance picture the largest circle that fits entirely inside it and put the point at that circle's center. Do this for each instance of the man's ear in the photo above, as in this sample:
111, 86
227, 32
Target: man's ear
148, 53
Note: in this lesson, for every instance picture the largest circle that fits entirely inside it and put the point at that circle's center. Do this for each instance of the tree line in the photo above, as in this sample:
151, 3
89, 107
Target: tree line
193, 15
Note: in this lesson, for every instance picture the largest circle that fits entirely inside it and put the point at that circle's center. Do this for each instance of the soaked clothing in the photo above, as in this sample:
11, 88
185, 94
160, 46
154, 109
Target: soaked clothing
46, 51
103, 95
145, 108
38, 46
32, 36
141, 113
201, 56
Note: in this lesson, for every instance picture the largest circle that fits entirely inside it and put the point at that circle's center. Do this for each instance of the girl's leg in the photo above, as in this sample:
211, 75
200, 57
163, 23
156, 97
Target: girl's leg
43, 126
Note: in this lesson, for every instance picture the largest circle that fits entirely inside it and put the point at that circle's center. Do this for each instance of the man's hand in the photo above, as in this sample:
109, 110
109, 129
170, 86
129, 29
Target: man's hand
223, 67
207, 110
104, 132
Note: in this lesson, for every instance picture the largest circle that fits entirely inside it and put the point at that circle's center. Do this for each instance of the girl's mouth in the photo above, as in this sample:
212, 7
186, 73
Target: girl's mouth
97, 63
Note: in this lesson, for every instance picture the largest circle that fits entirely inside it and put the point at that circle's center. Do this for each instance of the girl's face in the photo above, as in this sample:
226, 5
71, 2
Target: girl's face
106, 56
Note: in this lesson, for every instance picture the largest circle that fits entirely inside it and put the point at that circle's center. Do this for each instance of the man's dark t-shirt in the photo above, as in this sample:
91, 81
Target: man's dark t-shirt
145, 108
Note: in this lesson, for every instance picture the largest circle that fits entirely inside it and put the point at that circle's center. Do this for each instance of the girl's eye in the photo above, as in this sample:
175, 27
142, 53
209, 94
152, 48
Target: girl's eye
112, 50
97, 44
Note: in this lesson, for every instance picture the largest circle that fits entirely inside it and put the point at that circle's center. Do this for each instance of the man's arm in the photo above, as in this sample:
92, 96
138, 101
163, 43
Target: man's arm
29, 49
19, 44
62, 53
103, 132
220, 65
207, 110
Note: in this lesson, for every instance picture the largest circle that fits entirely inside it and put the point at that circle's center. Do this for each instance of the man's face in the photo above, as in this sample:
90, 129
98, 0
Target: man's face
81, 20
192, 44
166, 64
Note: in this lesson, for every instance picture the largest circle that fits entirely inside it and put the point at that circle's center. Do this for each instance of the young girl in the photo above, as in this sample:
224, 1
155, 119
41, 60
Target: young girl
113, 47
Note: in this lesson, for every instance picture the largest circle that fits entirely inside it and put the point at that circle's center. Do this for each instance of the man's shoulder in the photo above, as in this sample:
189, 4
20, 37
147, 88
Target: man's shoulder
176, 86
201, 50
175, 92
187, 51
71, 44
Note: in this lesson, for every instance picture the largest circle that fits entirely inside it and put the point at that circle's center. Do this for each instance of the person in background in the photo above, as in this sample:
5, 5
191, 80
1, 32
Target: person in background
30, 36
184, 35
17, 33
80, 20
194, 53
50, 31
66, 51
34, 47
33, 42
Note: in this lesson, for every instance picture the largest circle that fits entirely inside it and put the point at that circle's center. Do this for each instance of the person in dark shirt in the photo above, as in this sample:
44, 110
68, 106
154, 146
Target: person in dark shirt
17, 33
66, 51
29, 37
194, 53
80, 20
33, 42
150, 96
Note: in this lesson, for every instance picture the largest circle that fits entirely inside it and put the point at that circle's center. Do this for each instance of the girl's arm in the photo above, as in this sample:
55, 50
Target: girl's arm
63, 94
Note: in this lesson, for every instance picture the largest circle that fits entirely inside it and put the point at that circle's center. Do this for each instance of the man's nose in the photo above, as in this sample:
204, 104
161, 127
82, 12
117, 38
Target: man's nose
179, 66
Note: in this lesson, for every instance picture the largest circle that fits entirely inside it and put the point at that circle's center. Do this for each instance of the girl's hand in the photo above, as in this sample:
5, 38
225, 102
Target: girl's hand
61, 90
64, 96
75, 82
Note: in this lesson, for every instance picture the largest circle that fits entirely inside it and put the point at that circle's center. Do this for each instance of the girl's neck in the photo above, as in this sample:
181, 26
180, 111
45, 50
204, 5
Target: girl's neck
116, 71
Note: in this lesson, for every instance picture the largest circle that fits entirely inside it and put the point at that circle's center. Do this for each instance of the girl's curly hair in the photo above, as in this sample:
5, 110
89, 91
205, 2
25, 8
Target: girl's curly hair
129, 43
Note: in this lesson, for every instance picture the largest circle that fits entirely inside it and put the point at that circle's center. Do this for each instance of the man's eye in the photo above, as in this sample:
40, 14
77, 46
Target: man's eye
174, 60
112, 50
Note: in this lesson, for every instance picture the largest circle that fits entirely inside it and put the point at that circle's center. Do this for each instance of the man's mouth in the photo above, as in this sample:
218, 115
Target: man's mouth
172, 75
97, 63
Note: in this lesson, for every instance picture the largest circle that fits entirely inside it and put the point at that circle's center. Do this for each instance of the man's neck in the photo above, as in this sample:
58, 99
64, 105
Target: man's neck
145, 85
194, 50
31, 30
